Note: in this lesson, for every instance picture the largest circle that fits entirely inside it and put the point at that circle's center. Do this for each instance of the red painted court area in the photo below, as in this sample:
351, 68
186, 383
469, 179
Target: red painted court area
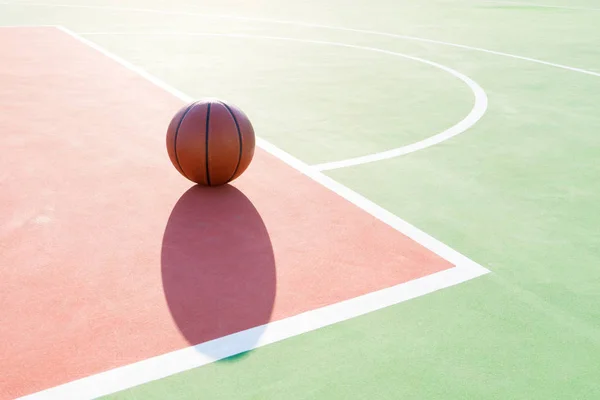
108, 256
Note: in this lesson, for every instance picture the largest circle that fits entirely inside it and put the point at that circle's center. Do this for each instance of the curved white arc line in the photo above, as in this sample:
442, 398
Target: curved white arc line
478, 110
308, 25
185, 359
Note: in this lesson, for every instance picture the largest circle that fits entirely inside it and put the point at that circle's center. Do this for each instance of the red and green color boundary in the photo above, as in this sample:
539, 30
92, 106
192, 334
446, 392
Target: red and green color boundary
122, 272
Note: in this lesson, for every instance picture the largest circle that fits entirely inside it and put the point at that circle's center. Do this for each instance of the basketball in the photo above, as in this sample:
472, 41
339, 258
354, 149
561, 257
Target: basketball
210, 142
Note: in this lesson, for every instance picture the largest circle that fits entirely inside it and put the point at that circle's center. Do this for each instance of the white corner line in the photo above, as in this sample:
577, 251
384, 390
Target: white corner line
355, 198
164, 365
478, 110
161, 366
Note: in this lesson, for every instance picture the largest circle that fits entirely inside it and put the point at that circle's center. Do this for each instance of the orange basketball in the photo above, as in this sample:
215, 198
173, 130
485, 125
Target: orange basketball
210, 142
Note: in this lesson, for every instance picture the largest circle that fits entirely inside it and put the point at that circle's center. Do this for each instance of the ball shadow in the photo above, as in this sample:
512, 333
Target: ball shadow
218, 268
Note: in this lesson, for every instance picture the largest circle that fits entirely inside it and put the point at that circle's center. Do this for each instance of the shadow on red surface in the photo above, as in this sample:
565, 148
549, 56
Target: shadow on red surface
218, 267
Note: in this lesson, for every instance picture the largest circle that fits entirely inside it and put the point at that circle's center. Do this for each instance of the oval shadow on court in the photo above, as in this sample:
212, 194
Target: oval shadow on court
218, 269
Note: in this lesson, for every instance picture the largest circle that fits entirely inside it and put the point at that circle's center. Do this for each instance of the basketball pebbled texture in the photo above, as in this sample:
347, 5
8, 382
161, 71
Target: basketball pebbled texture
210, 142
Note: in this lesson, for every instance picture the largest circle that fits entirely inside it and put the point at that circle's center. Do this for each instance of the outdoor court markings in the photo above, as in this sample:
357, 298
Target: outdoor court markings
143, 371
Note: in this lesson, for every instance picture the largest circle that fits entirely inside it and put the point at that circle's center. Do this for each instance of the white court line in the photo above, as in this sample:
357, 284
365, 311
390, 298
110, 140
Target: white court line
478, 110
181, 360
516, 3
468, 266
165, 365
358, 160
312, 25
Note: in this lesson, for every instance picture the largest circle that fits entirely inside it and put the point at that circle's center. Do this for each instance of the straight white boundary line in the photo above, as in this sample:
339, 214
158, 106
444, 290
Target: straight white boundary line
181, 360
308, 25
355, 198
478, 110
64, 391
516, 3
165, 365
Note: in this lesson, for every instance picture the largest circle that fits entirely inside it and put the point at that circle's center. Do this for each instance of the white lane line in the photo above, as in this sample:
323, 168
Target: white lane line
164, 365
168, 364
478, 110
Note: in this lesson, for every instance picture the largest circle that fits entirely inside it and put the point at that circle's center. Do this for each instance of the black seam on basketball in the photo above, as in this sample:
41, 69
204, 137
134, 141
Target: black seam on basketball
237, 126
206, 144
177, 133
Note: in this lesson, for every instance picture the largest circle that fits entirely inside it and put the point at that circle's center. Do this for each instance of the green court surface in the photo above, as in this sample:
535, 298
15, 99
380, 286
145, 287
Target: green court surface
516, 191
